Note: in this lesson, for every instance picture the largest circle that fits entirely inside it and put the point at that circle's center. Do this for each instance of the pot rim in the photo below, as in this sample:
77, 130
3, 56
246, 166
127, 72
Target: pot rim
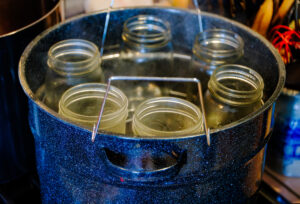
267, 104
34, 22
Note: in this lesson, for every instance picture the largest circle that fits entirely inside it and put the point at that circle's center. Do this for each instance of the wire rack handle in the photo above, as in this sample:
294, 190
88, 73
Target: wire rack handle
163, 79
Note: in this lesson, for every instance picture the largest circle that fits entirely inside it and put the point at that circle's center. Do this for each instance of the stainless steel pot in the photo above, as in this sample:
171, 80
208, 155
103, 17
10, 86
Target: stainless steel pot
20, 22
177, 169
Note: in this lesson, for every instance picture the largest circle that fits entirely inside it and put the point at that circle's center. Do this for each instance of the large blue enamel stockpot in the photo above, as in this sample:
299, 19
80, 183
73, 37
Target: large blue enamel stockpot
181, 169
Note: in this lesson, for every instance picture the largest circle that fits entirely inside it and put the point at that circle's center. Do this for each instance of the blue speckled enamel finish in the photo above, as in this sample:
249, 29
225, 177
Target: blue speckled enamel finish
72, 169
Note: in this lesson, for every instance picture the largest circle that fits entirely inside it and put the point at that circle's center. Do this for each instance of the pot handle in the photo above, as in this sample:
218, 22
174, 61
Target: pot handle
164, 173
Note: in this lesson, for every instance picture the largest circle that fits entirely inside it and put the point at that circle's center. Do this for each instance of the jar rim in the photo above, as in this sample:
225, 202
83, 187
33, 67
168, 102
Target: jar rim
100, 90
137, 123
217, 88
64, 67
147, 40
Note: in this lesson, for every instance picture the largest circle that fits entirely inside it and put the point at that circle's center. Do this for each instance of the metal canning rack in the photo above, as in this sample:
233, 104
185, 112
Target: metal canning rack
143, 78
162, 79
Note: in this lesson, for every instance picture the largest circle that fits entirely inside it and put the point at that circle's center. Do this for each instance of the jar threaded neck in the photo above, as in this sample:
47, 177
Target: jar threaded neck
73, 57
216, 47
236, 85
146, 32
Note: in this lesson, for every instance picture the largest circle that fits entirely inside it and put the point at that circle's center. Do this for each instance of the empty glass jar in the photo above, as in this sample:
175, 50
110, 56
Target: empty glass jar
146, 45
213, 48
167, 116
70, 62
146, 51
82, 104
234, 91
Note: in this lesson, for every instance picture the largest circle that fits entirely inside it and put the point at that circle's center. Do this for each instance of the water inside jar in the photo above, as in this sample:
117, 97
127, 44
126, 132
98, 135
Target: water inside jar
74, 56
90, 106
146, 30
219, 44
168, 120
237, 84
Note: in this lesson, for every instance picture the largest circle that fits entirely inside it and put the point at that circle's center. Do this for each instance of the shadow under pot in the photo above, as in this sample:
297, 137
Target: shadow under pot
82, 104
70, 62
234, 91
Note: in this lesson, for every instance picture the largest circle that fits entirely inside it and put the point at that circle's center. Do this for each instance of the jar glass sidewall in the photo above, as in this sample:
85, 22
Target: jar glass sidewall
56, 84
219, 113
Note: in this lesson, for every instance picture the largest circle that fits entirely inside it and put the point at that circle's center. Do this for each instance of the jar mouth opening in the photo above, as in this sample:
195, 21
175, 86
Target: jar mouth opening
150, 107
146, 31
94, 91
73, 56
224, 84
219, 42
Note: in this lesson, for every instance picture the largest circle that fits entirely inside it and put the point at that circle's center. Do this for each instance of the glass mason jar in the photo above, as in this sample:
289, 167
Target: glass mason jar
167, 116
146, 45
70, 62
213, 48
146, 51
82, 104
234, 91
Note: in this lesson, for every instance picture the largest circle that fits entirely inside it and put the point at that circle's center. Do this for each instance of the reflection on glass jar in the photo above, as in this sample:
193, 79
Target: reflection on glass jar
234, 91
82, 104
146, 51
213, 48
70, 62
166, 116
